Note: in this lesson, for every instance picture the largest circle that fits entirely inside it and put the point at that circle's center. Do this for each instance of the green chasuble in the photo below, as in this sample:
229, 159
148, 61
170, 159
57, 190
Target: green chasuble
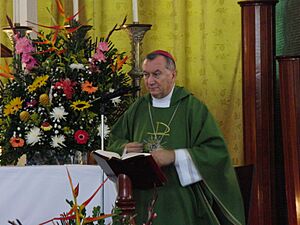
186, 124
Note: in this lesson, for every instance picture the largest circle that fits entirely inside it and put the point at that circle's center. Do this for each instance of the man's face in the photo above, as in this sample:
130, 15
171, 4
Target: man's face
159, 80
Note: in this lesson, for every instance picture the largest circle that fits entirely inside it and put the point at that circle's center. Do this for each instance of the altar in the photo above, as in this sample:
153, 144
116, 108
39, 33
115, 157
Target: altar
34, 194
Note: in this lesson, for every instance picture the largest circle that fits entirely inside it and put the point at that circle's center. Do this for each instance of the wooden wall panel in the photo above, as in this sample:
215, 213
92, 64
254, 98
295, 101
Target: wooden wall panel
289, 75
258, 46
5, 51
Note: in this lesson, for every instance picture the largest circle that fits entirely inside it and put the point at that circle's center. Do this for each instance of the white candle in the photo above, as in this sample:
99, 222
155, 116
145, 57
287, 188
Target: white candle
16, 6
135, 11
75, 9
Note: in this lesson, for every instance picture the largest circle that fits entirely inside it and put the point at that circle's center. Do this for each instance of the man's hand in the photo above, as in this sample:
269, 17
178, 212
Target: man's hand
133, 147
163, 157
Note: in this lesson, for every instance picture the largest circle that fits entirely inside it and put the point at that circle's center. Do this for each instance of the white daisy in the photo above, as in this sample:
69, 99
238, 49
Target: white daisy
33, 136
106, 130
58, 141
116, 100
58, 113
78, 66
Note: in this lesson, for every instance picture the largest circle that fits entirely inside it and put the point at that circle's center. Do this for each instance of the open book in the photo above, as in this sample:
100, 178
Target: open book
140, 167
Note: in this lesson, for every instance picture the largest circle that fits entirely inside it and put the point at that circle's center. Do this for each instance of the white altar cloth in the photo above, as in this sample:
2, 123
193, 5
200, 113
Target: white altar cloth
34, 194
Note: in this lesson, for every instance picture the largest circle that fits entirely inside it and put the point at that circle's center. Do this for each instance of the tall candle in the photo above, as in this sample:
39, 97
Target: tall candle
16, 6
135, 11
75, 9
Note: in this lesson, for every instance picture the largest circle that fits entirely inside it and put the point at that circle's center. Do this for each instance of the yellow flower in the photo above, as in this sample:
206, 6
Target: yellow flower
80, 105
37, 83
67, 130
13, 106
24, 116
44, 99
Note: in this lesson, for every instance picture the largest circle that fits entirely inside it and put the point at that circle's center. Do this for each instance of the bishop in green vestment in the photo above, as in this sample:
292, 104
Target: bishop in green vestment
185, 141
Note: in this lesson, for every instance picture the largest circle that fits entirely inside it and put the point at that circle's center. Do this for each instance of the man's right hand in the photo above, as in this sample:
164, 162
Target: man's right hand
133, 147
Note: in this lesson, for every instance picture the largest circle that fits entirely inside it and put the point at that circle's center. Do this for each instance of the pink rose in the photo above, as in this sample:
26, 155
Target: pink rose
29, 61
103, 46
23, 45
99, 56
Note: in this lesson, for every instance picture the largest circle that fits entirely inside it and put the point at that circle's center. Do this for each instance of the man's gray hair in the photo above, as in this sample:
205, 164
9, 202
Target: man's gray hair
171, 65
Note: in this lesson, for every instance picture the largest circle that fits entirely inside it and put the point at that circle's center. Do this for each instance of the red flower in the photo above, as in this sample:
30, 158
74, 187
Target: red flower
67, 86
81, 137
16, 142
46, 126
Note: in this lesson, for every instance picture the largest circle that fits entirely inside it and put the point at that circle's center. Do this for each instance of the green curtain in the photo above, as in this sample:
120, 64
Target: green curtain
288, 29
204, 36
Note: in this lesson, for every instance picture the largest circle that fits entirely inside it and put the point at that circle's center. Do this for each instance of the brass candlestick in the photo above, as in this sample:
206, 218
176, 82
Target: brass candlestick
136, 33
22, 30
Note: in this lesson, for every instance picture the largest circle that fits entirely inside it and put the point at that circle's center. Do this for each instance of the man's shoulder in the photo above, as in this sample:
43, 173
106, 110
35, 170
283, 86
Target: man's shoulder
137, 103
187, 96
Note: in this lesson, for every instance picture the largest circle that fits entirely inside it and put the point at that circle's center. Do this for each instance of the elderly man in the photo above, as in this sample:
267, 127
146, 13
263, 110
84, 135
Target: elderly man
183, 138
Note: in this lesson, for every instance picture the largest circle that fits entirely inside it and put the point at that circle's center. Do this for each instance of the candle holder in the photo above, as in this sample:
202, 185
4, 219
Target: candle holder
22, 30
136, 33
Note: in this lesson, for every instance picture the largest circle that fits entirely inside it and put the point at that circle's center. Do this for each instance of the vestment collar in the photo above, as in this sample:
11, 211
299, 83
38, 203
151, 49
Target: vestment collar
163, 102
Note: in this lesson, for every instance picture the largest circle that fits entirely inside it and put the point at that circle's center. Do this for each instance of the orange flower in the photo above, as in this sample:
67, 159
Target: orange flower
120, 63
7, 73
57, 28
16, 142
88, 87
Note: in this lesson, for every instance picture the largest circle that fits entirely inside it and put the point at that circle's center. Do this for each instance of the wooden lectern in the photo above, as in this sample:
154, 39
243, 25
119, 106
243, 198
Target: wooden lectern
126, 203
5, 51
125, 200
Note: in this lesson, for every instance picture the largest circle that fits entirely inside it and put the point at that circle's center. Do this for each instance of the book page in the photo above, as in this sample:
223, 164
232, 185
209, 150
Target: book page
108, 154
134, 154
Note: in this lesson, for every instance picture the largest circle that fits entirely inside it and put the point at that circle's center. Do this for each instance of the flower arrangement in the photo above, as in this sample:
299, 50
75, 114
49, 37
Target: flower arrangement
58, 88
